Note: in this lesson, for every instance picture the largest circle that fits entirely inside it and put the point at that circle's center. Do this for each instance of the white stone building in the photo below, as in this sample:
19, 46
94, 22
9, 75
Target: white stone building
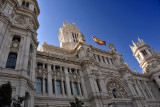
53, 76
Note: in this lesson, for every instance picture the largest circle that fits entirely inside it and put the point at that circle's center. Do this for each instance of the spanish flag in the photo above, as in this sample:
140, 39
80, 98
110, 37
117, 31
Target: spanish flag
99, 41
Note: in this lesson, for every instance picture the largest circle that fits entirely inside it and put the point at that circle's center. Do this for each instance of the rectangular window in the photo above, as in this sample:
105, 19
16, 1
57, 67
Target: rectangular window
99, 58
112, 61
63, 69
53, 86
81, 88
64, 85
59, 88
46, 86
144, 52
139, 57
39, 85
98, 85
103, 59
107, 60
71, 88
11, 62
76, 92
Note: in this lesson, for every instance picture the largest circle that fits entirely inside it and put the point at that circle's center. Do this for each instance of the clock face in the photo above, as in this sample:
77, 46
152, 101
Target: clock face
74, 28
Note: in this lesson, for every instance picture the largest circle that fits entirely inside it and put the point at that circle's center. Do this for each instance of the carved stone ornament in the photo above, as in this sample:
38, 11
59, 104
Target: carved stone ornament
120, 92
15, 44
20, 19
112, 48
74, 77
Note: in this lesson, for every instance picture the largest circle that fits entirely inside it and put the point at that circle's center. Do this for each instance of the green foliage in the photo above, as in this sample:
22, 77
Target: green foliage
18, 101
76, 103
5, 94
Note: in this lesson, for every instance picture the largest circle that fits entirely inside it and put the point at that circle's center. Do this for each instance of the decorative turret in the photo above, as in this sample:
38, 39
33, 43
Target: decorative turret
144, 55
70, 35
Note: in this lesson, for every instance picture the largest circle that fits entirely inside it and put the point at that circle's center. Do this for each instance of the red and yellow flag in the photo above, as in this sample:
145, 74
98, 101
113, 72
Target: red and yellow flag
99, 41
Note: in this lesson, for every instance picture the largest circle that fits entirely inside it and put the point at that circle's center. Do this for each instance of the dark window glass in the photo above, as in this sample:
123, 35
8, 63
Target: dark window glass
39, 85
139, 57
71, 88
107, 60
23, 3
112, 61
99, 58
144, 52
27, 5
11, 62
51, 67
57, 68
46, 86
99, 88
114, 93
75, 88
72, 70
64, 85
63, 69
39, 65
77, 71
16, 38
68, 70
53, 86
81, 88
45, 66
58, 84
103, 59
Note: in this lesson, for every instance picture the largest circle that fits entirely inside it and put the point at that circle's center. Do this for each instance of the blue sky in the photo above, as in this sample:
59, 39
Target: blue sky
116, 21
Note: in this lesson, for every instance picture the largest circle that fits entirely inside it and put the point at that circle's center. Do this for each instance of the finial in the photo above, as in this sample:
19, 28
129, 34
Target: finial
67, 22
139, 40
134, 43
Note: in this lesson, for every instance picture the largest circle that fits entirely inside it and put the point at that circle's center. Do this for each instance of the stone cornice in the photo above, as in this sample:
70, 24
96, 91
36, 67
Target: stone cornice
59, 58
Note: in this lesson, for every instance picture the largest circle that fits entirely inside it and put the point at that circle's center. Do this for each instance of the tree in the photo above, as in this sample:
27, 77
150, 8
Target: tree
5, 94
76, 103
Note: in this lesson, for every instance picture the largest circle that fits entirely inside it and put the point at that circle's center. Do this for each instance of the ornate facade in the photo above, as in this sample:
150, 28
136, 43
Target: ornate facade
53, 76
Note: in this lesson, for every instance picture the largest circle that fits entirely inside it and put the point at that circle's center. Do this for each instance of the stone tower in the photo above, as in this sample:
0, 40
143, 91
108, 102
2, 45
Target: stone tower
18, 43
149, 61
70, 35
143, 54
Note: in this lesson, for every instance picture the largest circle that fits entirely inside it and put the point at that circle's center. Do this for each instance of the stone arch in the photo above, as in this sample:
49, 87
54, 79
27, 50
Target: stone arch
116, 89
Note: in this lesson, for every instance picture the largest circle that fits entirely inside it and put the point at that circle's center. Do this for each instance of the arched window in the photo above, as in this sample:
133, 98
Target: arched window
27, 4
76, 91
114, 93
39, 85
11, 62
59, 87
23, 3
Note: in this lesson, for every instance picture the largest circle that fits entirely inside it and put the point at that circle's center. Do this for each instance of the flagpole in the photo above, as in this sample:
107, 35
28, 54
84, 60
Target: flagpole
94, 42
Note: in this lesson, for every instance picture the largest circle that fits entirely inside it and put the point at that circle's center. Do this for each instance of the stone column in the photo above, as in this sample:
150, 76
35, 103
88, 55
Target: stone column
55, 88
131, 88
142, 89
43, 84
50, 93
152, 96
79, 89
83, 86
26, 53
62, 87
68, 88
34, 64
